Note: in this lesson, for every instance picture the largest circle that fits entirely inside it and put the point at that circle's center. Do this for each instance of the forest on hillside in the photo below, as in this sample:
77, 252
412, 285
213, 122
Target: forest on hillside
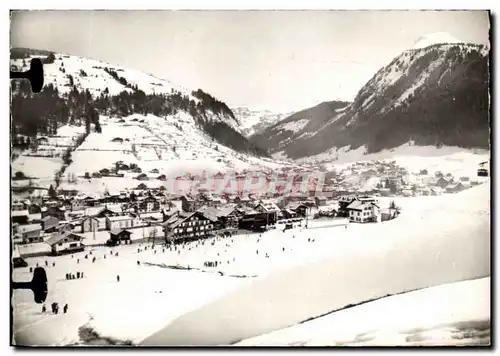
42, 113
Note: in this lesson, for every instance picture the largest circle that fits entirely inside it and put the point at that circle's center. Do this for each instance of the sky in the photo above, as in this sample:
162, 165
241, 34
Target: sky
277, 60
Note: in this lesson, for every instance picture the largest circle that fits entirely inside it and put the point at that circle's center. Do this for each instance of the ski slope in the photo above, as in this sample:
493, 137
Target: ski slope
435, 240
403, 255
452, 314
171, 145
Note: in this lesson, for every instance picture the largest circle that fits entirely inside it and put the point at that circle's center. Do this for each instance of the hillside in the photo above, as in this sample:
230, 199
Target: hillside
361, 263
78, 90
91, 115
435, 95
255, 121
300, 124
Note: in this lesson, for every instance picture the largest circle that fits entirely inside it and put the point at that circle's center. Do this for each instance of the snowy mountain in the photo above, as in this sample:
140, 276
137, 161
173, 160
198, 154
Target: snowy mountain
297, 125
91, 115
255, 121
118, 91
433, 94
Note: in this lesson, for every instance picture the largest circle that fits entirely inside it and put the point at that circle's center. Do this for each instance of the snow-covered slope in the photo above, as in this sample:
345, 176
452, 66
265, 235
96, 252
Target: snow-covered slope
99, 77
255, 121
436, 240
433, 94
169, 146
299, 125
419, 249
158, 123
454, 314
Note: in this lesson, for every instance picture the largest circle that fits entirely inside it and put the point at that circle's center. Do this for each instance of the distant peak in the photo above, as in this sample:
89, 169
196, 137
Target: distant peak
435, 38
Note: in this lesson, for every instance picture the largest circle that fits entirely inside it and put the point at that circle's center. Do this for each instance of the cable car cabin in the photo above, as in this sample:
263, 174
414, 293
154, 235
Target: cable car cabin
482, 172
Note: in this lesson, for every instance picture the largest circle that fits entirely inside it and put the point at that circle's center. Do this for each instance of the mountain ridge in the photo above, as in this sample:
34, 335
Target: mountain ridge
255, 121
436, 95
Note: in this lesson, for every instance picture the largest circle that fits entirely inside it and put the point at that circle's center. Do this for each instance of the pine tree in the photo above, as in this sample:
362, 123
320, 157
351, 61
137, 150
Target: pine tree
52, 192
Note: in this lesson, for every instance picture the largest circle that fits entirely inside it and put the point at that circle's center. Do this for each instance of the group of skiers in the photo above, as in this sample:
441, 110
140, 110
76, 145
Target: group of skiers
72, 276
55, 308
210, 263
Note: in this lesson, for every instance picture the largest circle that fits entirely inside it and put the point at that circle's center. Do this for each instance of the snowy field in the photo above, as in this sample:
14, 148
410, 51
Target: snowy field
48, 156
452, 314
172, 145
307, 273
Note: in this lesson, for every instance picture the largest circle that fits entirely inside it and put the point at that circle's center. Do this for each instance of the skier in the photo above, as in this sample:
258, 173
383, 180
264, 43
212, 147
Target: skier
138, 263
118, 278
65, 308
44, 308
81, 274
53, 264
77, 275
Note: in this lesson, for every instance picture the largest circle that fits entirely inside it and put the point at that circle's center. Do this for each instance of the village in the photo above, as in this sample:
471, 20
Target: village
67, 221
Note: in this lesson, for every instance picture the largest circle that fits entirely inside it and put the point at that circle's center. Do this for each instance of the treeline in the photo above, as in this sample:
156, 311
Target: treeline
45, 112
225, 135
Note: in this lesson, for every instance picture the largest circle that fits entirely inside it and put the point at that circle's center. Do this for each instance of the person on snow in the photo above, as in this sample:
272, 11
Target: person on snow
118, 278
44, 308
65, 308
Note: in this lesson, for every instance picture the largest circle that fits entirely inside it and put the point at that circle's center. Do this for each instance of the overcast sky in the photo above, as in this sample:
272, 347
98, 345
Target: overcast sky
277, 60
